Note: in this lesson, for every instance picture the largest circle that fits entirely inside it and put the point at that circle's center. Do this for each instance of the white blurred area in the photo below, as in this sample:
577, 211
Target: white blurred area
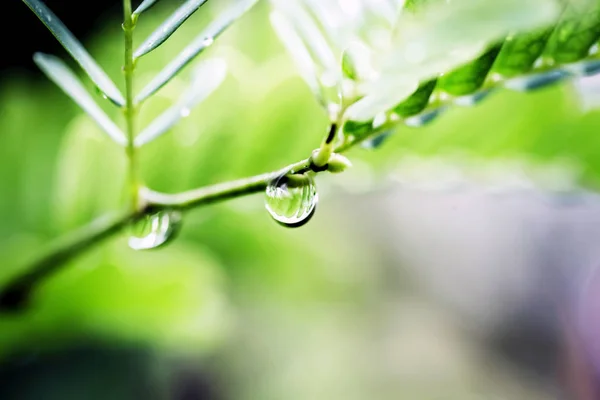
483, 287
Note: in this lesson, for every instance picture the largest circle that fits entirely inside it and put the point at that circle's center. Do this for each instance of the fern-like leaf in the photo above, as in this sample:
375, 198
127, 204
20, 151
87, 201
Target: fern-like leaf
77, 51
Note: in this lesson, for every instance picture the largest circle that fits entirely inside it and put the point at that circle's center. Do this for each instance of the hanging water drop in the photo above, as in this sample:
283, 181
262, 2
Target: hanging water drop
155, 230
185, 112
292, 199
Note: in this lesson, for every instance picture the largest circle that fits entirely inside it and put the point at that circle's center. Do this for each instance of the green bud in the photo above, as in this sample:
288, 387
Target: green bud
348, 67
338, 163
320, 157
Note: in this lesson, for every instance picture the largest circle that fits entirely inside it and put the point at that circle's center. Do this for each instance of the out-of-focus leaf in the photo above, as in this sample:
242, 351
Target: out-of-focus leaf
208, 76
418, 101
381, 100
520, 52
77, 51
167, 28
469, 78
523, 61
577, 31
199, 44
310, 33
296, 47
60, 74
145, 5
443, 37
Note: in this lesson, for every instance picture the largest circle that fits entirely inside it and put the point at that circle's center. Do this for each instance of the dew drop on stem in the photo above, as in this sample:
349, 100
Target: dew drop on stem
291, 199
155, 230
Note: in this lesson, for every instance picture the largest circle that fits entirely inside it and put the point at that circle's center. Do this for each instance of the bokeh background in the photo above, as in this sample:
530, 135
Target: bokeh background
459, 261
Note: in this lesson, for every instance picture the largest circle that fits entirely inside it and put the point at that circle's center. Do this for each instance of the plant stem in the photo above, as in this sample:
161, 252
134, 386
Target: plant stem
17, 291
130, 107
219, 192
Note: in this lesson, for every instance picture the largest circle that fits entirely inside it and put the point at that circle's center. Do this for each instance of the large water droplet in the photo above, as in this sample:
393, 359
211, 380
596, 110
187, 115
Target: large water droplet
155, 230
291, 199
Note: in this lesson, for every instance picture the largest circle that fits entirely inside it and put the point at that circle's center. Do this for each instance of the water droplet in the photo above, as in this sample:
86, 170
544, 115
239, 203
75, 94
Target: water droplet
291, 199
208, 41
100, 93
155, 230
185, 112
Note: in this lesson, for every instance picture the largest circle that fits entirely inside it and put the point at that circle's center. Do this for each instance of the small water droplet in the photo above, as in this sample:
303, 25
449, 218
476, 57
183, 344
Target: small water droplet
185, 112
292, 199
155, 230
208, 41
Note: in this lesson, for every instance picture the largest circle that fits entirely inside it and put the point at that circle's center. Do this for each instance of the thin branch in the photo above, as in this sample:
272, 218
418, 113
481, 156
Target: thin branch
219, 192
17, 292
130, 107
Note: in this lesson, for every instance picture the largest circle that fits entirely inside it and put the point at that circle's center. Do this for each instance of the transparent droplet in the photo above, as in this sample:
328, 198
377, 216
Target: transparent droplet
291, 199
100, 92
155, 230
185, 112
208, 41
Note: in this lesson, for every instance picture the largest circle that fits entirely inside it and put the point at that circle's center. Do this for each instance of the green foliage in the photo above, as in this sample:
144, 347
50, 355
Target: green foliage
64, 78
77, 51
168, 27
152, 298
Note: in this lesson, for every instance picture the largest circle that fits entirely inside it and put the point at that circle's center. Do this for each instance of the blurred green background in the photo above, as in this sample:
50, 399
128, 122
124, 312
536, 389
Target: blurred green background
239, 307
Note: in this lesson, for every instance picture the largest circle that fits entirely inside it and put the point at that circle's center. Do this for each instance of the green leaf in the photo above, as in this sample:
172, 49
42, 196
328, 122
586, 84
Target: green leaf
145, 5
167, 28
577, 31
208, 76
520, 52
442, 37
469, 78
311, 35
199, 44
348, 67
358, 129
385, 98
60, 74
77, 51
418, 101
